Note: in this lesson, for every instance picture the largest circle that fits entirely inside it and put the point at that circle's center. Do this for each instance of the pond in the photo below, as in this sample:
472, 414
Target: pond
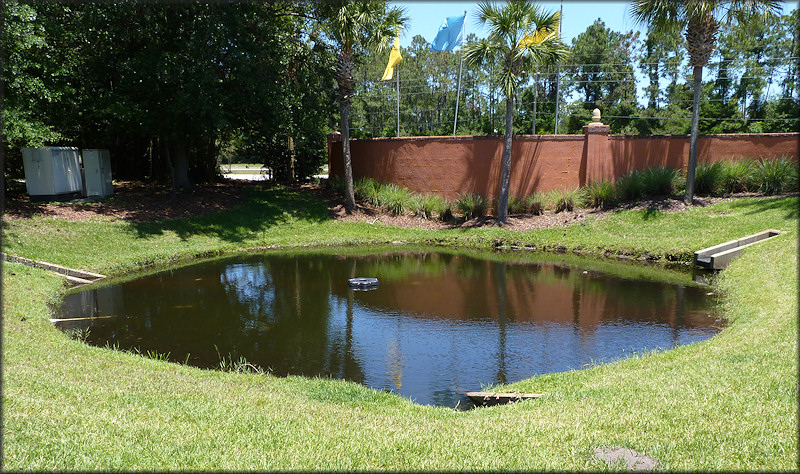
438, 324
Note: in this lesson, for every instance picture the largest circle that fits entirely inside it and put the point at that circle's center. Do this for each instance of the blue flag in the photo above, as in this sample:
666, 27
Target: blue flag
450, 34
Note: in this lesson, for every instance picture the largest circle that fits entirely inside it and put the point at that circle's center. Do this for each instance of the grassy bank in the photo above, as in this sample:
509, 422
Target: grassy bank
728, 403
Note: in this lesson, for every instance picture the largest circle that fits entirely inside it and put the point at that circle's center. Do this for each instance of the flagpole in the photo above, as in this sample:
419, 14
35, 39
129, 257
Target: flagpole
460, 65
533, 127
398, 100
558, 69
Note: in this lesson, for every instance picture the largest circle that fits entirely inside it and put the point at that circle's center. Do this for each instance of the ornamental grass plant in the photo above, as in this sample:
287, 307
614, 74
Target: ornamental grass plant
471, 205
600, 194
776, 175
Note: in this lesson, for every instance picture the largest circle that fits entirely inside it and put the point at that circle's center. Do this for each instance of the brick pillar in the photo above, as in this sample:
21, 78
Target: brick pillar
598, 154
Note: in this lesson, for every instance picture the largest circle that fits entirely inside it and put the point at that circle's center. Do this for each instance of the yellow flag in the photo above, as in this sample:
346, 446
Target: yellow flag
535, 37
394, 58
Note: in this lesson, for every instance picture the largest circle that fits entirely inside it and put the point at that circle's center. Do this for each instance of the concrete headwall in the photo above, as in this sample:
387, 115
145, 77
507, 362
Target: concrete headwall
448, 166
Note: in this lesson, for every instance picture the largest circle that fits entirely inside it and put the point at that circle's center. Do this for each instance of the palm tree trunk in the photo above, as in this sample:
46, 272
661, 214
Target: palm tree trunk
690, 170
344, 80
349, 196
505, 168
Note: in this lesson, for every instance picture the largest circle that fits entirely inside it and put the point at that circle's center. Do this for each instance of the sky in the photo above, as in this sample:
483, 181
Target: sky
426, 17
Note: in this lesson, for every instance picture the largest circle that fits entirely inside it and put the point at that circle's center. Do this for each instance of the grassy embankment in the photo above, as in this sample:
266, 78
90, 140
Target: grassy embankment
728, 403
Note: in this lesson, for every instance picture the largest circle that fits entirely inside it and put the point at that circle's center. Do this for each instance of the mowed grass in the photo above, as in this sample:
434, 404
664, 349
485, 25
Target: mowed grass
729, 403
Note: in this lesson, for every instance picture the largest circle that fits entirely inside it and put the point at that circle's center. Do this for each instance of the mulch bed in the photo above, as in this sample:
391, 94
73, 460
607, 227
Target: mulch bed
145, 202
134, 201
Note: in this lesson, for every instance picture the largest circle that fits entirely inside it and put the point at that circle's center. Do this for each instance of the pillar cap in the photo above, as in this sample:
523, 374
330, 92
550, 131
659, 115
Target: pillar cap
596, 119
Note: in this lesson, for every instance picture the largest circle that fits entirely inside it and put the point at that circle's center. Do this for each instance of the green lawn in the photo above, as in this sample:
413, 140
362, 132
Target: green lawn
729, 403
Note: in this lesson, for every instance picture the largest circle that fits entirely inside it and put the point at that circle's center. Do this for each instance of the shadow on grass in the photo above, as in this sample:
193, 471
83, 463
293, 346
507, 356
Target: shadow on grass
262, 210
651, 214
786, 203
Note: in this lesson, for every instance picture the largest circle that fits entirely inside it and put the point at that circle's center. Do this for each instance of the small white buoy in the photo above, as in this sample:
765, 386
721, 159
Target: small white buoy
363, 283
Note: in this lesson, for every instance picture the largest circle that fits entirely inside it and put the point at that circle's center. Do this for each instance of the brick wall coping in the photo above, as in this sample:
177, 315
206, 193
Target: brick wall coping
337, 137
730, 136
709, 135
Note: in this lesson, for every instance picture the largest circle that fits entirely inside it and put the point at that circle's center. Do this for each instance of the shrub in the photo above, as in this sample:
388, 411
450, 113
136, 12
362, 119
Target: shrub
446, 213
737, 176
561, 200
599, 194
428, 205
776, 175
658, 181
516, 205
367, 189
394, 197
535, 203
707, 178
471, 205
631, 186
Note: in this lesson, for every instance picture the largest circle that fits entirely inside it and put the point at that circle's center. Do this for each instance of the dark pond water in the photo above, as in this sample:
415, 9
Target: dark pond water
438, 323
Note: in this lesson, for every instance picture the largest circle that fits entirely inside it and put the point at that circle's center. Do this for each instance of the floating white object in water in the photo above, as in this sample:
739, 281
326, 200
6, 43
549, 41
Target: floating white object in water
363, 283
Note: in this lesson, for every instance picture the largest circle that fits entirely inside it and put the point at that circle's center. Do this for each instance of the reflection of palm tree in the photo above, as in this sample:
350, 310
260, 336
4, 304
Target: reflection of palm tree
350, 369
396, 359
576, 306
676, 321
500, 279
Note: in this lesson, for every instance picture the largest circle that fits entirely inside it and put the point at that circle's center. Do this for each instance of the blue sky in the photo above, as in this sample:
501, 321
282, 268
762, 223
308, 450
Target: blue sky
426, 17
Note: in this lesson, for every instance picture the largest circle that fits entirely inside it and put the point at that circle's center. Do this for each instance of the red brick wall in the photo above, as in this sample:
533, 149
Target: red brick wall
451, 165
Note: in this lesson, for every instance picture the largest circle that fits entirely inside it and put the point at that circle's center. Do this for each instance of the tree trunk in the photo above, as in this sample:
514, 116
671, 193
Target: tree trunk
344, 80
290, 148
690, 170
168, 159
349, 197
505, 168
178, 161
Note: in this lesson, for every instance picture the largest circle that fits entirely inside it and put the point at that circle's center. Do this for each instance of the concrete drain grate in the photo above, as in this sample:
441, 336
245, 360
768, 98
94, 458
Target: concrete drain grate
632, 460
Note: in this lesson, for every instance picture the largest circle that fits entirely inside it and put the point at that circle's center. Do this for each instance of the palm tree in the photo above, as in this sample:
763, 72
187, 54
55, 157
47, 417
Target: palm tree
521, 36
700, 20
356, 27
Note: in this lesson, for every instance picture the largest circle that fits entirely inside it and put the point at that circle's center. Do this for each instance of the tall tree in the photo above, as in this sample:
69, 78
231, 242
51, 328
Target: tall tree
661, 58
35, 84
356, 27
603, 71
700, 19
521, 36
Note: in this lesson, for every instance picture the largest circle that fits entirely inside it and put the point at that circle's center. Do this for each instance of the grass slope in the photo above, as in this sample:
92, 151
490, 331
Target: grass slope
729, 403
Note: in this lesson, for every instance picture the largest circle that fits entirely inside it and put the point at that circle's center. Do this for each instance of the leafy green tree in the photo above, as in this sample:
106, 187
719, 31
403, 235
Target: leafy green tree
603, 71
32, 82
521, 36
354, 28
167, 86
700, 19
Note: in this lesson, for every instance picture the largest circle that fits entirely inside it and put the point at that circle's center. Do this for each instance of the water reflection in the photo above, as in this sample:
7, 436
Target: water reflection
438, 323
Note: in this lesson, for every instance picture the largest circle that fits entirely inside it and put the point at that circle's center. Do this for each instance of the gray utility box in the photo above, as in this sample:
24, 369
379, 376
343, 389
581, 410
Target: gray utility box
52, 172
97, 173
